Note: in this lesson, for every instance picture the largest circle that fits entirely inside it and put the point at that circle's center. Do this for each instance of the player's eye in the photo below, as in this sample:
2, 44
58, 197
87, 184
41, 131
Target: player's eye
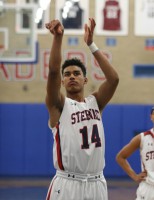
77, 73
66, 74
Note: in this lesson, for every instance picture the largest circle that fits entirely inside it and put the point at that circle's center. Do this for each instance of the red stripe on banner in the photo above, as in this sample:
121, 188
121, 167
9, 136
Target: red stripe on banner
149, 48
59, 156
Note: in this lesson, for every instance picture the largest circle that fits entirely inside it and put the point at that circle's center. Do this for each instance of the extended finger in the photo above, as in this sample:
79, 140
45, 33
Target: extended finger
86, 27
47, 25
93, 24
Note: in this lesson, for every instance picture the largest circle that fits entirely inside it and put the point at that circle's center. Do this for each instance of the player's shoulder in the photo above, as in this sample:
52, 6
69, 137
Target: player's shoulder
91, 97
135, 141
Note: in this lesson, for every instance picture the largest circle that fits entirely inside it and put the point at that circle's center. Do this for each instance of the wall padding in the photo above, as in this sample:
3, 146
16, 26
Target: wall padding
26, 141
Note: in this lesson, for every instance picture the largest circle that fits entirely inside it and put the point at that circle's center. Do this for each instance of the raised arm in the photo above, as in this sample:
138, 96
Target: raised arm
125, 153
54, 98
108, 87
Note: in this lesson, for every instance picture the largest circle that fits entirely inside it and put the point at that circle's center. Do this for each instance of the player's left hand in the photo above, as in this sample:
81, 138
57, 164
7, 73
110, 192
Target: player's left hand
141, 176
89, 31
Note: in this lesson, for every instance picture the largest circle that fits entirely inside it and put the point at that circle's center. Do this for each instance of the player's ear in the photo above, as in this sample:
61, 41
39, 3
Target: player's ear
152, 119
62, 82
85, 80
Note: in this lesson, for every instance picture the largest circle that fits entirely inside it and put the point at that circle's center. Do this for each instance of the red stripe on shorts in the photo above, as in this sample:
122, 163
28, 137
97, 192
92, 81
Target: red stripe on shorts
49, 191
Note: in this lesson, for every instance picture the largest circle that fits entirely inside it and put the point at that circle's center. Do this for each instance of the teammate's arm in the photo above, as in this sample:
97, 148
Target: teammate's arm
108, 87
54, 98
126, 152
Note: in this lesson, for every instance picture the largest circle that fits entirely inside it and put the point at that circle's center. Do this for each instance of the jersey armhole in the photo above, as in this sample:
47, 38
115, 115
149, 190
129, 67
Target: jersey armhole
141, 142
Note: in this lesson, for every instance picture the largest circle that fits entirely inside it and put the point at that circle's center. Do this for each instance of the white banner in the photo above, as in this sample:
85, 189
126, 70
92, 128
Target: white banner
144, 17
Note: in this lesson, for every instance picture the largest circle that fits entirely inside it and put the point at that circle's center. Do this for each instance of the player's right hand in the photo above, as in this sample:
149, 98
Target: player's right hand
55, 27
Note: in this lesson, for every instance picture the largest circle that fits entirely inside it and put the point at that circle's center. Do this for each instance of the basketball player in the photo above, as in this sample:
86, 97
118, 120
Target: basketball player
145, 142
75, 121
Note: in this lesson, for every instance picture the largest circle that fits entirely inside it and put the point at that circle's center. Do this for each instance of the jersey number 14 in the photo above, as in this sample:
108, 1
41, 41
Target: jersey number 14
94, 137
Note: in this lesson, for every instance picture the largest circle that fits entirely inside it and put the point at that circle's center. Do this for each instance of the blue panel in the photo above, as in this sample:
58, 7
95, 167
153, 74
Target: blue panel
11, 139
112, 128
111, 42
133, 123
26, 141
37, 147
144, 71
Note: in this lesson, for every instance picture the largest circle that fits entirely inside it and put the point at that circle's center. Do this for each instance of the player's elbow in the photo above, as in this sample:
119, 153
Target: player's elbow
115, 80
113, 83
118, 158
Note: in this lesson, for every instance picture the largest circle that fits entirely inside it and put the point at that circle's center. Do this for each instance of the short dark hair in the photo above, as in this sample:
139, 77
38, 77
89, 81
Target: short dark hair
76, 62
152, 109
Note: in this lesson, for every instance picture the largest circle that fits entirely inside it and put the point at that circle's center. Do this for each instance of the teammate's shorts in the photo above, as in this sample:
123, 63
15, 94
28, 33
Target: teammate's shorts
71, 186
145, 191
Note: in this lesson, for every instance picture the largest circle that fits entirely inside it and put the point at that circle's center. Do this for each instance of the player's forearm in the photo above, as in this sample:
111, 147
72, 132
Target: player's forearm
55, 54
109, 72
124, 164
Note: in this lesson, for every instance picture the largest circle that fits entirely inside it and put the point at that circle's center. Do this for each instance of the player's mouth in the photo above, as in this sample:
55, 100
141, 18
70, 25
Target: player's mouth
72, 83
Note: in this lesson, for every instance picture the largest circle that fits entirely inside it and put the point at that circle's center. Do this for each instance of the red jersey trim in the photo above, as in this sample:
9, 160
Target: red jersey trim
149, 133
58, 148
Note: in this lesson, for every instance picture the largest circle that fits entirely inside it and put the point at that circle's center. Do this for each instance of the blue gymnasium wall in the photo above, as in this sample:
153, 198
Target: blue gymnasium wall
26, 141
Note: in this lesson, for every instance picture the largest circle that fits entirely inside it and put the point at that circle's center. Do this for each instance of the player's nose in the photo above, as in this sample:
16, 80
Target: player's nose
72, 76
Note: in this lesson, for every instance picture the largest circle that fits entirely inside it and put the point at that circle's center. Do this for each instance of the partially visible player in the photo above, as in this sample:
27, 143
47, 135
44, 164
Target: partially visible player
76, 122
145, 142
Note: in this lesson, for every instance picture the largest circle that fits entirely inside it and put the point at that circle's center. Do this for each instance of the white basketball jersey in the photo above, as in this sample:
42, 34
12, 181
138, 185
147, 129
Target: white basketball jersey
147, 154
148, 9
79, 138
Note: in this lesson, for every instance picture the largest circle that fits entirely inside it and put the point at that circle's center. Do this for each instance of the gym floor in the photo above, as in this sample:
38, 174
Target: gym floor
36, 189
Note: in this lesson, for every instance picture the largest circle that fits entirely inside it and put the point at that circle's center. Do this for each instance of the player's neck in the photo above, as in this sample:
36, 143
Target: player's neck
76, 96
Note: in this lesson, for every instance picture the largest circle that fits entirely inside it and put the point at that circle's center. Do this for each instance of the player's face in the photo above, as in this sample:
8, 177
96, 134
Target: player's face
152, 116
73, 79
